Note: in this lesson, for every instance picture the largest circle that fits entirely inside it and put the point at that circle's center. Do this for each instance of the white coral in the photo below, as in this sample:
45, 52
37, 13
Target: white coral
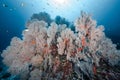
36, 75
52, 30
35, 54
36, 60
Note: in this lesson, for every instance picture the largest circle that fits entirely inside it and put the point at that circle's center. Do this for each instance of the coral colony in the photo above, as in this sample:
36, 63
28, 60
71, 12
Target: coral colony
56, 52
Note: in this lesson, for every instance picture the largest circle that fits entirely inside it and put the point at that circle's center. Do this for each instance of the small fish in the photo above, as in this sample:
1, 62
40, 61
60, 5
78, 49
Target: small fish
26, 29
48, 4
22, 4
5, 5
7, 31
11, 9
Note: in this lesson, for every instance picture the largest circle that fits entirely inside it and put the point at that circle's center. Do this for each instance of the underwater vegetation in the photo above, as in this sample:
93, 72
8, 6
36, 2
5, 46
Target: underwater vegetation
57, 52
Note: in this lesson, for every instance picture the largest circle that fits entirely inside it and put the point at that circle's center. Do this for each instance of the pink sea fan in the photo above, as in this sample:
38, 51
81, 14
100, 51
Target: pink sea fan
56, 52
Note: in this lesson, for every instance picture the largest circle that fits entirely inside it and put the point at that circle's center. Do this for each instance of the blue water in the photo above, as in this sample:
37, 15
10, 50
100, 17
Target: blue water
15, 13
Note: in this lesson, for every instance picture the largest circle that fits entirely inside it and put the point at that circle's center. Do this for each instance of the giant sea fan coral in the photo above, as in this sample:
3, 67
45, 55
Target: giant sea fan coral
56, 52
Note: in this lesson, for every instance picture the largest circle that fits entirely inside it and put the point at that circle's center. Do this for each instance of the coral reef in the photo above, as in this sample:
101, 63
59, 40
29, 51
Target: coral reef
56, 52
42, 16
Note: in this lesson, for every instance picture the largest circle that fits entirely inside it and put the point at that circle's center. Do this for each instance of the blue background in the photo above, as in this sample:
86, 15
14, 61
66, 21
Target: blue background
15, 13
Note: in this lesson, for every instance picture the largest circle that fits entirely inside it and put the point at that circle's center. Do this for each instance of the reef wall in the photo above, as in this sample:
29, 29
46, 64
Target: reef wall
56, 52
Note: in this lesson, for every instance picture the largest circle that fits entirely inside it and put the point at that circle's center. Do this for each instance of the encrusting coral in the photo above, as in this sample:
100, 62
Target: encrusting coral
56, 52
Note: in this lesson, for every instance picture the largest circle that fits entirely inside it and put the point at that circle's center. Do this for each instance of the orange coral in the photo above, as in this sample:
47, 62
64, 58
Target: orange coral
33, 42
94, 69
46, 45
67, 69
80, 49
83, 41
56, 64
73, 53
66, 41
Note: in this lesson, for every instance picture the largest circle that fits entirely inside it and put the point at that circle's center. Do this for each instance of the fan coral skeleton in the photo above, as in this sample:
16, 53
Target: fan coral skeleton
56, 52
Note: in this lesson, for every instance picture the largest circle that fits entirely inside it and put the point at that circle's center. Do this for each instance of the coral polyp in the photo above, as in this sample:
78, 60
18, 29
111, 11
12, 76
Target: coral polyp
56, 52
